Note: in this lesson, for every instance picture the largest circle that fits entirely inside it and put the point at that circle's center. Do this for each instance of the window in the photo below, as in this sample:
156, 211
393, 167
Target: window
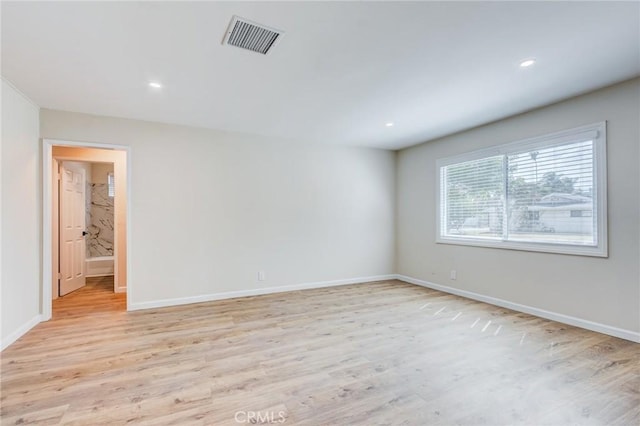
542, 194
581, 213
111, 185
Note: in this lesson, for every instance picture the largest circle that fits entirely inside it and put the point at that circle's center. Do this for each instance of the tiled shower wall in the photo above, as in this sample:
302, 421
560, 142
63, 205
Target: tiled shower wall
100, 214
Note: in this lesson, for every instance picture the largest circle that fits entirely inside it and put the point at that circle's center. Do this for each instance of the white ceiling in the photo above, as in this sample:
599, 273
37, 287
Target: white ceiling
341, 71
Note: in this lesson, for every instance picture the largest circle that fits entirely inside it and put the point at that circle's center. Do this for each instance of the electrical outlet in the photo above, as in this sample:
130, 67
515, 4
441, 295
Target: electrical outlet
453, 275
261, 276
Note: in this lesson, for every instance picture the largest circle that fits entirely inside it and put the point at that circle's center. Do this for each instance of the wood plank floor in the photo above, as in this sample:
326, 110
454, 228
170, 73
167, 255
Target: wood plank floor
384, 353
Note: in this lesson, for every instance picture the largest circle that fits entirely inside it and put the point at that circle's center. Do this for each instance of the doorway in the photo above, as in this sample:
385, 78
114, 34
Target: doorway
85, 217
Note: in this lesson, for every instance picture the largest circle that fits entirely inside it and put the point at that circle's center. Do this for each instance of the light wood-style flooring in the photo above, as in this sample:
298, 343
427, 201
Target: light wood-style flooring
383, 353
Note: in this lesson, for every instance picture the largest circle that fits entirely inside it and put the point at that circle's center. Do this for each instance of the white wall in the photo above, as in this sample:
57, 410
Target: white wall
210, 209
100, 171
21, 215
605, 291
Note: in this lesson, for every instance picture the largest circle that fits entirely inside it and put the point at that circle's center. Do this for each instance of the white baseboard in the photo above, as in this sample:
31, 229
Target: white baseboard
21, 331
254, 292
565, 319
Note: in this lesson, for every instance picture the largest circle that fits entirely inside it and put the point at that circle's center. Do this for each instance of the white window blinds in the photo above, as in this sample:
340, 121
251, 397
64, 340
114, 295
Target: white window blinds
474, 198
542, 194
551, 194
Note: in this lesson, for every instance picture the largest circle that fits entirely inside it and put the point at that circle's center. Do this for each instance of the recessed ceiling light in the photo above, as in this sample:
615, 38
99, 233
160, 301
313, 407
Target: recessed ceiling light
155, 85
527, 63
389, 124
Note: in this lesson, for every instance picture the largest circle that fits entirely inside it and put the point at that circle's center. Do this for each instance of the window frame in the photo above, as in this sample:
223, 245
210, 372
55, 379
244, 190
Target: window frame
111, 185
596, 132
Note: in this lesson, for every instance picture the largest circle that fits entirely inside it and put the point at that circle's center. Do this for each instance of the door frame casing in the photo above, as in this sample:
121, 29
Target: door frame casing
47, 217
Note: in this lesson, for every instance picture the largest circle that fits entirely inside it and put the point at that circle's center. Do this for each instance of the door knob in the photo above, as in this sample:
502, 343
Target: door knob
84, 233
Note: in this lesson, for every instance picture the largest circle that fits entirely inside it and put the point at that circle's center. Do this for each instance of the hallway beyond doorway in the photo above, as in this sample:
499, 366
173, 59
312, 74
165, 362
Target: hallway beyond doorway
97, 297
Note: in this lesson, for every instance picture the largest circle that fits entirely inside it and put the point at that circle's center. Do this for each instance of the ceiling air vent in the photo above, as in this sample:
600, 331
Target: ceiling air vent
250, 35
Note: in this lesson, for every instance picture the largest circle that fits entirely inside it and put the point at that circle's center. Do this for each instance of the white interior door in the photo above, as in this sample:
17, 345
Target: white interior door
72, 228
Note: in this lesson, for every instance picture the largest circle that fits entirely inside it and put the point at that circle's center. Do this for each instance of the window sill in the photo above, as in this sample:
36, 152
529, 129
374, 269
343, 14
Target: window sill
593, 251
